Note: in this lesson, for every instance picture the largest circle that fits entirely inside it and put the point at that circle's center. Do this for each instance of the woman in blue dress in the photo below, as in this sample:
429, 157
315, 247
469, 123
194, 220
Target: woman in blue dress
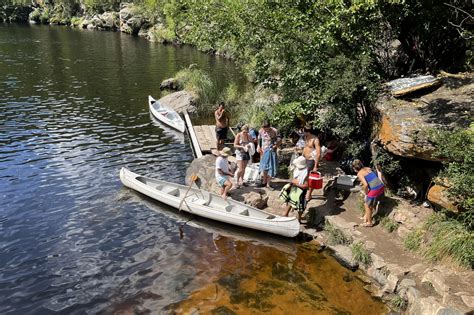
268, 142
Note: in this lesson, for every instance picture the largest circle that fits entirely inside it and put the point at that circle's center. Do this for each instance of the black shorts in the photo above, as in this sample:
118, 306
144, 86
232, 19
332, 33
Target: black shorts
221, 133
310, 165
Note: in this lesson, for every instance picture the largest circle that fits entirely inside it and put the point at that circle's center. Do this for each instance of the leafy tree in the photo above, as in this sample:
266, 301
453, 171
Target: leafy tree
457, 149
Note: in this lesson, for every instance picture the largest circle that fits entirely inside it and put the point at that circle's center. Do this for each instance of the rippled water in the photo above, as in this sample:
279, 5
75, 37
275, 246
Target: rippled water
72, 239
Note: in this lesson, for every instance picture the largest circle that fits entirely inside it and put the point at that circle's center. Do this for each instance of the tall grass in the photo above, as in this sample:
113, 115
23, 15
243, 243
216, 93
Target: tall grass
444, 239
200, 84
398, 303
413, 240
388, 224
361, 254
450, 239
336, 236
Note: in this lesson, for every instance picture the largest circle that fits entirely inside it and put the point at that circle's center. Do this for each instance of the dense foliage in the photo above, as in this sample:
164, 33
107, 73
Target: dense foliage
457, 149
325, 58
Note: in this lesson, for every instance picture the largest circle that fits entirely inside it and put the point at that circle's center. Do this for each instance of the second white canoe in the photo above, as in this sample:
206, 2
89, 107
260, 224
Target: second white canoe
166, 115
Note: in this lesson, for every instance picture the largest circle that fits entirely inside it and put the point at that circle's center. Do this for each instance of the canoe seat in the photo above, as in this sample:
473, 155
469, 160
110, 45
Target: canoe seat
229, 208
171, 191
271, 217
200, 201
245, 212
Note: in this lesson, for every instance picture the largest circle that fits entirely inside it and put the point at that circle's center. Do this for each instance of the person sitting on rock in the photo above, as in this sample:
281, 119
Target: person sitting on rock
372, 187
222, 172
294, 193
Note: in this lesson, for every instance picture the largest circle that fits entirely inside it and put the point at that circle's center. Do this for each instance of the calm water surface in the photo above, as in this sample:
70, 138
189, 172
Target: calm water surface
73, 240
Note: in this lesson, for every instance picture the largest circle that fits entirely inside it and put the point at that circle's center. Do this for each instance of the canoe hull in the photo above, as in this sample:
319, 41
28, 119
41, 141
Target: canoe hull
230, 211
157, 110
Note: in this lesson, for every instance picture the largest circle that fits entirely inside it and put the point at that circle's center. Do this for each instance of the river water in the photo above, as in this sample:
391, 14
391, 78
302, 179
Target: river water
73, 240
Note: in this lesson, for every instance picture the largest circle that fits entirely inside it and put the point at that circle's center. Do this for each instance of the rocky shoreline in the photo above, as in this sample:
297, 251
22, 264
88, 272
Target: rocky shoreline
403, 279
130, 19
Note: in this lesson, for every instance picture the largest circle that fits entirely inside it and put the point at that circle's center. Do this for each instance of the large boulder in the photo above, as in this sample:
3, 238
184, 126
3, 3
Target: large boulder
438, 196
169, 84
15, 13
130, 20
110, 21
204, 168
180, 101
405, 123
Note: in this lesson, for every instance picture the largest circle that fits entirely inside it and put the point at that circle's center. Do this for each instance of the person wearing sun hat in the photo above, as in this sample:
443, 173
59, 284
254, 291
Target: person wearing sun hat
222, 172
294, 193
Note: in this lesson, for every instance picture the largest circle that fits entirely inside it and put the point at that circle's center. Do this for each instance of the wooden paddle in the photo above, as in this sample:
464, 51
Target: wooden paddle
194, 178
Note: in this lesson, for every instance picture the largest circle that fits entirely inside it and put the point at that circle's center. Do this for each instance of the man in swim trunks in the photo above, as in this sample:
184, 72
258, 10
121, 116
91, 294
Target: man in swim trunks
312, 154
222, 125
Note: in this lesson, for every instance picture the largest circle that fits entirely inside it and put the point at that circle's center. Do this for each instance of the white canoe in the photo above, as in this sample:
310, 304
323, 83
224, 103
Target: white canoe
166, 115
209, 205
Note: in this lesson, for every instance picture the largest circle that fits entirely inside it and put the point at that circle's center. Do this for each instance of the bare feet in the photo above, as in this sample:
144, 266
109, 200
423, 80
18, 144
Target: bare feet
365, 224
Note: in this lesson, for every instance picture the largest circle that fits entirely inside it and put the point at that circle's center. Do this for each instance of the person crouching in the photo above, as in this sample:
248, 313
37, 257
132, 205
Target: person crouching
294, 193
222, 172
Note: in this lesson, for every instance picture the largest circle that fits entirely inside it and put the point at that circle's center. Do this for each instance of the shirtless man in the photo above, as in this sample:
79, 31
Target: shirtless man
222, 125
312, 154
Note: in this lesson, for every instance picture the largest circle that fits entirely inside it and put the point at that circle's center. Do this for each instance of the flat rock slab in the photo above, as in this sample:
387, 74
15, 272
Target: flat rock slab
403, 86
180, 101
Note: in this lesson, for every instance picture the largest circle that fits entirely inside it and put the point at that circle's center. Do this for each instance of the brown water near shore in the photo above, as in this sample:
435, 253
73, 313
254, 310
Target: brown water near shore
264, 280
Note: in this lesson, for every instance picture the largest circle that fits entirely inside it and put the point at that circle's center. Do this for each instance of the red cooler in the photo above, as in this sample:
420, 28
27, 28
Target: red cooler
315, 180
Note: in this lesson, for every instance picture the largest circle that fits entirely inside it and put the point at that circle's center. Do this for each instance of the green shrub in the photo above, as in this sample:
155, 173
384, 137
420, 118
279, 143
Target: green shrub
442, 238
457, 149
199, 83
413, 240
285, 116
336, 236
398, 303
449, 239
161, 34
389, 224
251, 114
76, 21
231, 95
361, 254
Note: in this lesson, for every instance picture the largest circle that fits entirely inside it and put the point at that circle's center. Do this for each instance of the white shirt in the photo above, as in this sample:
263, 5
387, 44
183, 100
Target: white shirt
300, 175
222, 164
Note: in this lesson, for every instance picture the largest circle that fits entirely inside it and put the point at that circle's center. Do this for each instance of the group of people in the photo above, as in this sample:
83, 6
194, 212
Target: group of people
265, 144
247, 143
